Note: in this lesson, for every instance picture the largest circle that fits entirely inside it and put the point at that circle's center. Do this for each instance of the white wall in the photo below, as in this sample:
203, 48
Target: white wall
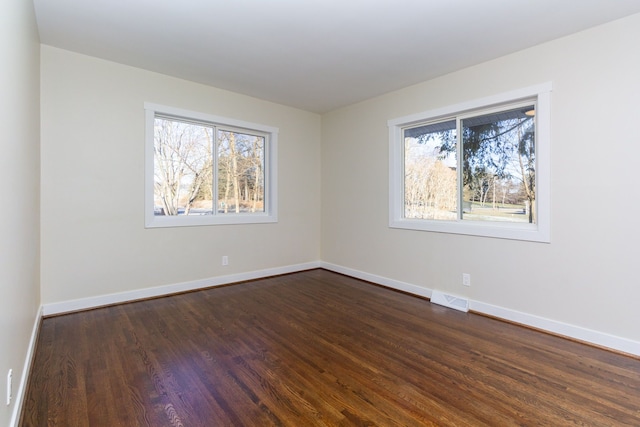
586, 276
20, 176
93, 237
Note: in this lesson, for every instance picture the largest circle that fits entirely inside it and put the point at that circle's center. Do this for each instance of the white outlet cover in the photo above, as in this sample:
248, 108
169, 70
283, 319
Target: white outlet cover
466, 279
9, 386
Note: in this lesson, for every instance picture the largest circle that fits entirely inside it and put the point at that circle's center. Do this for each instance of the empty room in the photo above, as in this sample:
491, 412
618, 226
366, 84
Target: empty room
319, 213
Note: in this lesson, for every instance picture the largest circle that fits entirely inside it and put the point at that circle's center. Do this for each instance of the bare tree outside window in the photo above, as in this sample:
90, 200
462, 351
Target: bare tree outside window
182, 166
185, 162
430, 173
202, 169
241, 172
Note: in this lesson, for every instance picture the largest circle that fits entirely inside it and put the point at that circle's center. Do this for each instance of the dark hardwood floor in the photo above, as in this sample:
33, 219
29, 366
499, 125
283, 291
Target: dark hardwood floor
313, 349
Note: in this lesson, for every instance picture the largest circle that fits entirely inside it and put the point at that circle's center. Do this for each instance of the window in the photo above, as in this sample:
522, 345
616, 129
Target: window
203, 170
479, 168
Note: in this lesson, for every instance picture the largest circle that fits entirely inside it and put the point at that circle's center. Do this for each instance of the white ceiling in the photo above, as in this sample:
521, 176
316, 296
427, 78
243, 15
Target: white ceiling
316, 55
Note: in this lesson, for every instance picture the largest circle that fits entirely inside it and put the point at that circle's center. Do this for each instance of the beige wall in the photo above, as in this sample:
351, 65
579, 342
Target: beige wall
91, 240
20, 177
93, 236
586, 276
334, 208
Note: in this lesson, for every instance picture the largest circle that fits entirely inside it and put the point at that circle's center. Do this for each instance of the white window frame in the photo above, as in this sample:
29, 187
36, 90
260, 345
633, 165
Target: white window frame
538, 232
270, 213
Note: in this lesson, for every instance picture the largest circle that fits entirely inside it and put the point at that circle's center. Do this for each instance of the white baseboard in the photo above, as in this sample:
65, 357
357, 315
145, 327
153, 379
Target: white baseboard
24, 378
103, 300
553, 326
379, 280
571, 331
601, 339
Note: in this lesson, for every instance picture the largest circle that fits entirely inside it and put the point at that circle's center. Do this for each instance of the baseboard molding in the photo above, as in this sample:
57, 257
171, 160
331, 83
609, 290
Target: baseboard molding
24, 377
600, 339
158, 291
379, 280
577, 333
589, 336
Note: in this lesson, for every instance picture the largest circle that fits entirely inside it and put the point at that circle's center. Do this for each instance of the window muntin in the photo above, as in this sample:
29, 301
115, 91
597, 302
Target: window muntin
479, 168
208, 170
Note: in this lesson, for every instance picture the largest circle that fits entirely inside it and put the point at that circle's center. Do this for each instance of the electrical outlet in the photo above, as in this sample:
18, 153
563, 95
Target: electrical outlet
466, 279
9, 386
225, 260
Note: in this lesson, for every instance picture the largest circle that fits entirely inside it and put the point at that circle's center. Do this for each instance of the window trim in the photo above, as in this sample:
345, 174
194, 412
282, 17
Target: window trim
539, 232
270, 214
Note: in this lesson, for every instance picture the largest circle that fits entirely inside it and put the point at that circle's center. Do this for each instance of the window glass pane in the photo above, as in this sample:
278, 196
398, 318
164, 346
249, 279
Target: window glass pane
430, 177
240, 172
207, 170
182, 168
499, 166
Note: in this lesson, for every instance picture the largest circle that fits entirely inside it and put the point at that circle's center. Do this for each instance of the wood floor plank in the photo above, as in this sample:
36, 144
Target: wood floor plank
316, 349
